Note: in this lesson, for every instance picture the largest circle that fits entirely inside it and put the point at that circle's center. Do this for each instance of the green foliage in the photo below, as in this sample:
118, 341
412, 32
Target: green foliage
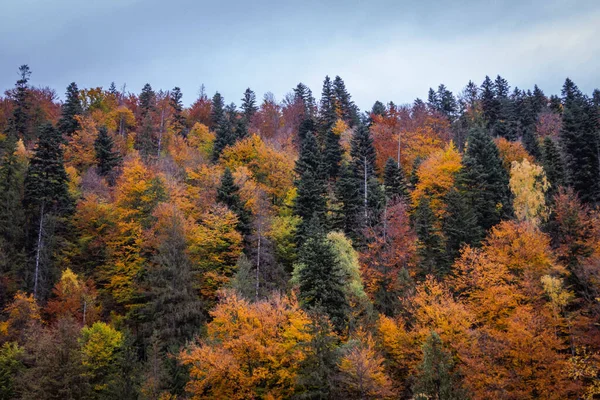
431, 244
100, 348
228, 194
106, 156
72, 107
459, 225
11, 364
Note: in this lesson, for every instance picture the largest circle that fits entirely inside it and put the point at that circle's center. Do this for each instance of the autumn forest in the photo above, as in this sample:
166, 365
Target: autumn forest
299, 248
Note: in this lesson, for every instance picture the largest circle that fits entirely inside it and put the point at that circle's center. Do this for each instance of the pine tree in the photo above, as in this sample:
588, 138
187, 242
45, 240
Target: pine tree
579, 138
321, 277
459, 225
489, 102
45, 189
436, 378
306, 126
378, 109
311, 185
177, 118
553, 167
304, 95
538, 100
229, 194
68, 124
348, 218
484, 180
394, 181
18, 124
430, 244
106, 155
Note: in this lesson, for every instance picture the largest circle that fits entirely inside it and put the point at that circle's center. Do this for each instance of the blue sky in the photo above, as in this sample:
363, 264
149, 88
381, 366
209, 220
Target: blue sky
384, 50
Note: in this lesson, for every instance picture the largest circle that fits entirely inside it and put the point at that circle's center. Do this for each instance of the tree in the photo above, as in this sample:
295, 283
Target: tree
19, 123
320, 277
344, 106
74, 298
68, 124
332, 154
147, 101
249, 108
46, 191
489, 103
224, 135
348, 216
311, 188
578, 136
106, 156
529, 185
459, 224
394, 181
484, 181
228, 194
430, 245
177, 118
363, 162
11, 365
553, 166
327, 110
436, 378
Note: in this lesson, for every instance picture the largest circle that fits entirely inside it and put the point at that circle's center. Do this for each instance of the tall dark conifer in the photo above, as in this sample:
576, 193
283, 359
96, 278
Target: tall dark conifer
229, 194
430, 244
327, 109
394, 181
343, 103
553, 166
249, 108
177, 119
224, 135
68, 124
19, 125
106, 155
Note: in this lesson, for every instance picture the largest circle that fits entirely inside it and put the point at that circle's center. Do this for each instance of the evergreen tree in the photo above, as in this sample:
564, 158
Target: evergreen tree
18, 124
327, 109
68, 124
224, 135
303, 94
45, 190
459, 225
430, 245
394, 182
555, 104
311, 185
489, 103
332, 154
348, 218
579, 138
147, 101
229, 194
484, 180
106, 155
177, 118
538, 100
378, 109
343, 103
363, 160
553, 167
306, 126
172, 311
320, 276
249, 108
437, 378
146, 141
112, 89
432, 100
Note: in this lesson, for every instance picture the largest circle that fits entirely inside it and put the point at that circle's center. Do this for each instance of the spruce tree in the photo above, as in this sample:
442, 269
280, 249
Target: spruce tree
489, 103
553, 166
459, 225
311, 186
343, 103
68, 124
307, 125
146, 141
147, 101
106, 155
45, 190
320, 276
347, 190
224, 135
484, 180
363, 161
327, 109
538, 100
332, 154
430, 244
378, 109
18, 124
177, 119
393, 181
229, 194
578, 136
304, 95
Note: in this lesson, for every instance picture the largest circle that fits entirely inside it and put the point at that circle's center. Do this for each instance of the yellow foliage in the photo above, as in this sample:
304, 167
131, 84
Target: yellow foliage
202, 139
80, 152
529, 185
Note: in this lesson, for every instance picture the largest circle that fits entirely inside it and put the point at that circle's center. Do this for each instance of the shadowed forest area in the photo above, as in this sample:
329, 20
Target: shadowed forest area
299, 248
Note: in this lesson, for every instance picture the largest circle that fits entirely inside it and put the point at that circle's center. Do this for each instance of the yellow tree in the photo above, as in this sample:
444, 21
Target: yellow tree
529, 185
251, 350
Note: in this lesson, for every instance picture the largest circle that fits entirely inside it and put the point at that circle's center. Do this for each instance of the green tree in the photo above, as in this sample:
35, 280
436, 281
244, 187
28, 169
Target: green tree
72, 107
459, 225
46, 192
430, 244
579, 139
224, 135
19, 123
363, 162
394, 181
147, 101
344, 105
484, 181
229, 194
106, 156
553, 167
327, 110
11, 355
436, 378
177, 118
332, 154
249, 108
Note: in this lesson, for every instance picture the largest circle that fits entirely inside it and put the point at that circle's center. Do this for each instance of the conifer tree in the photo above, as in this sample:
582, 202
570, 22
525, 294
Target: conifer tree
320, 276
249, 108
553, 166
538, 100
18, 124
348, 218
224, 135
147, 101
489, 103
68, 124
343, 103
327, 109
484, 180
146, 141
229, 194
311, 185
45, 190
430, 243
332, 154
579, 138
393, 181
378, 109
459, 225
303, 94
177, 118
363, 160
106, 155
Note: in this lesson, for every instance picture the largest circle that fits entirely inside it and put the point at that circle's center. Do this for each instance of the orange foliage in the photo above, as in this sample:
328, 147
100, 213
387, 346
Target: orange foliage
511, 151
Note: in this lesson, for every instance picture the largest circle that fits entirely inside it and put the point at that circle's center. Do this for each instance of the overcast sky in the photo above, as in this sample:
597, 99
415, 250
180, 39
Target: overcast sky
384, 50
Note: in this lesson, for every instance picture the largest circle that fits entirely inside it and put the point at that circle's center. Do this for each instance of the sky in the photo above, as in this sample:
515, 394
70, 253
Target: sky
383, 50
